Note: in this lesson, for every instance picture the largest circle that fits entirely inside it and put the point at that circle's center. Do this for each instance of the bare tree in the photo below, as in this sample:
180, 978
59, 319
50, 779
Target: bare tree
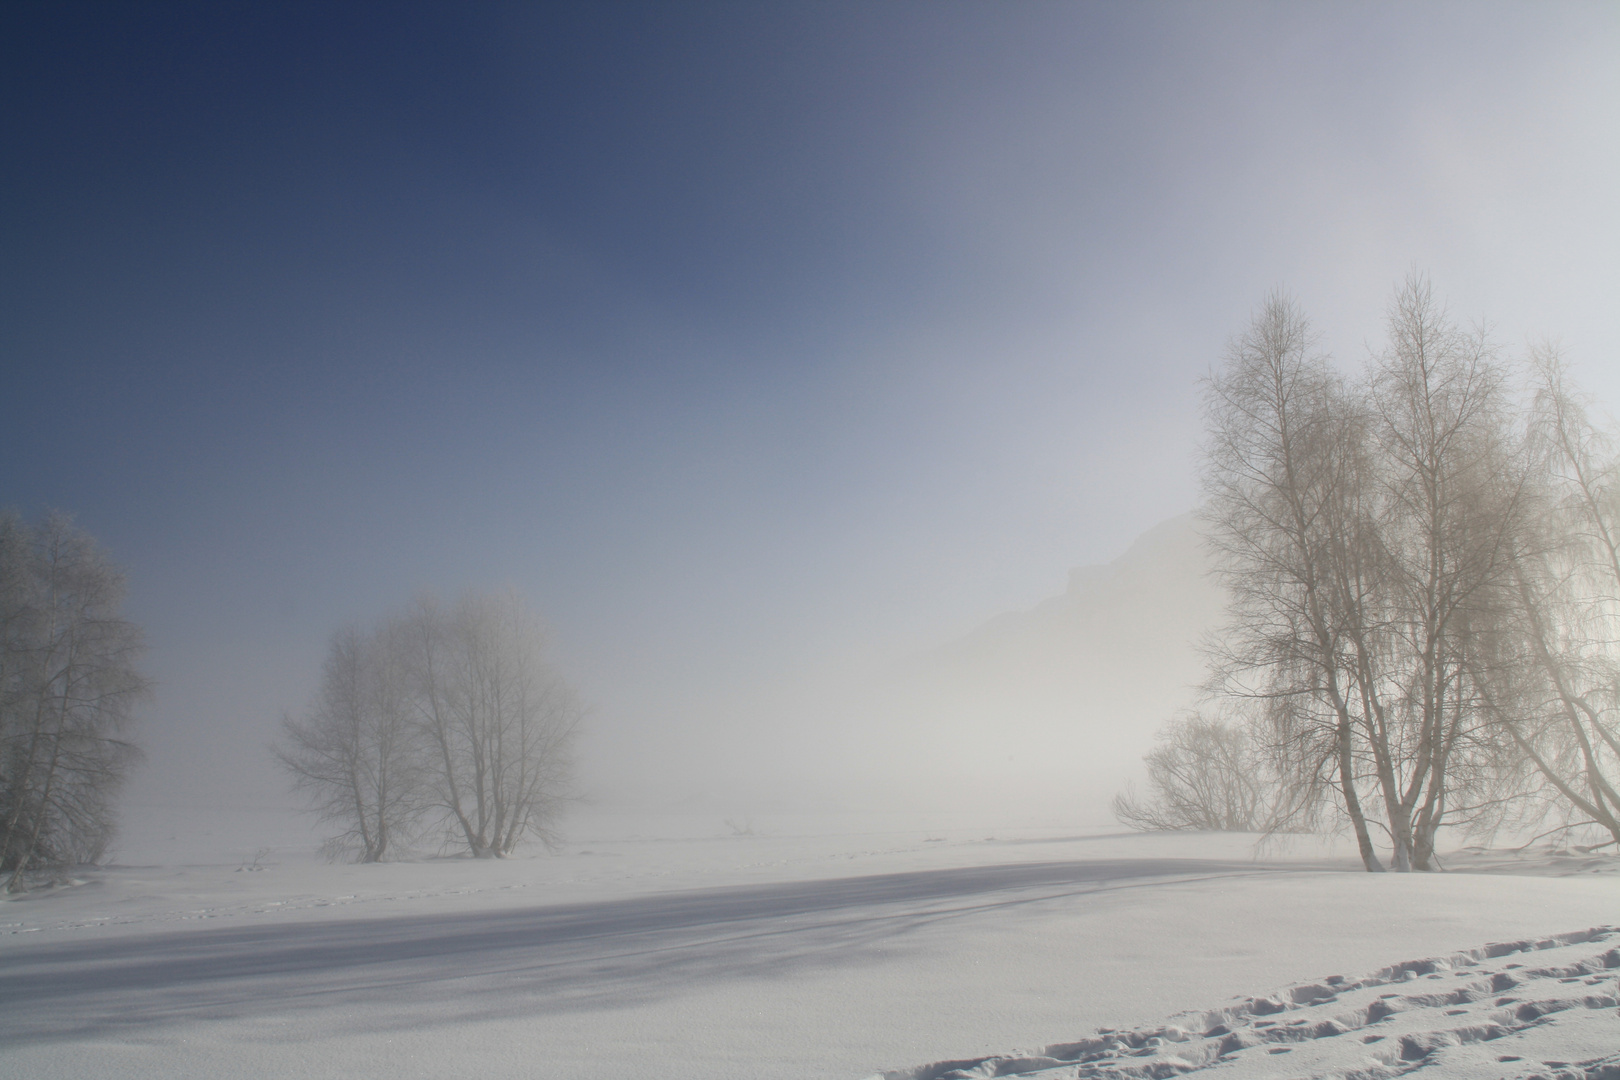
68, 685
500, 721
1213, 776
1425, 584
1283, 479
355, 753
441, 715
1367, 537
1557, 691
1452, 488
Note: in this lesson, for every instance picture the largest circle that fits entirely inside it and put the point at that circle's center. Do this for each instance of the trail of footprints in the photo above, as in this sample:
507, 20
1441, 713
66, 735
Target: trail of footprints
1383, 1025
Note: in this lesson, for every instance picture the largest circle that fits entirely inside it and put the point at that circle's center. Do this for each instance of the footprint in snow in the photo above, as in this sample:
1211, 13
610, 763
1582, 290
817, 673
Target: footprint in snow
1453, 1022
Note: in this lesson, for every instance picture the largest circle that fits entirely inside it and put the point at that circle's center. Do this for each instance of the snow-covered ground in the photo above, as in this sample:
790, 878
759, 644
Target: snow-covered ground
1542, 1006
817, 947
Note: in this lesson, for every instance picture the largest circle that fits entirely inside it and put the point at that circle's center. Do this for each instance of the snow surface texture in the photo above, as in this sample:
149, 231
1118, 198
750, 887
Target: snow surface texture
766, 948
1543, 1008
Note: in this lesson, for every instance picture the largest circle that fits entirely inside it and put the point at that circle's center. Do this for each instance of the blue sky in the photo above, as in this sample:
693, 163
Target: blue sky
741, 339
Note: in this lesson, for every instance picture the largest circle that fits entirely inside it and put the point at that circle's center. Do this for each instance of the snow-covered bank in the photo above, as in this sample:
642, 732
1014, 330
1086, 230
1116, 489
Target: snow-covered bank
1542, 1007
691, 952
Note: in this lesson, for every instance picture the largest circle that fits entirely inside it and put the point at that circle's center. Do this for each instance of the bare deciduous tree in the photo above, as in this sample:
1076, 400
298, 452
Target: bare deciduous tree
1556, 691
68, 684
354, 754
1413, 617
500, 720
1283, 482
1212, 776
444, 714
1451, 495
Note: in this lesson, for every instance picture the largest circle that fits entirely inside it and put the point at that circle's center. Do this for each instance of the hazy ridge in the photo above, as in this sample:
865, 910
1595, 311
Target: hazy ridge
1064, 697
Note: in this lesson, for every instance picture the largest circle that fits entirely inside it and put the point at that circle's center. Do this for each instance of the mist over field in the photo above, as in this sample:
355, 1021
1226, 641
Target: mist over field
816, 409
826, 338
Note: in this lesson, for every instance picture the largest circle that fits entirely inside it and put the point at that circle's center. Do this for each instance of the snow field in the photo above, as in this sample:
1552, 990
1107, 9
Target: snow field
800, 952
1525, 1008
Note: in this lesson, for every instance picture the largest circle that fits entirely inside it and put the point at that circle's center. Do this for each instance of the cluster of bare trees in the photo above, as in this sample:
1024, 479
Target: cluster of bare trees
68, 684
440, 721
1214, 776
1425, 584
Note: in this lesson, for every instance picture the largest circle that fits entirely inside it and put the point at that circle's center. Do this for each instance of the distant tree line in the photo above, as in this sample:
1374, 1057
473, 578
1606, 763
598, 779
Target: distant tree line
1424, 572
68, 685
442, 722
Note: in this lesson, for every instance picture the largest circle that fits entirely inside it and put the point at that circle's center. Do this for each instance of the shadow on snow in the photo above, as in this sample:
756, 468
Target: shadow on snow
434, 969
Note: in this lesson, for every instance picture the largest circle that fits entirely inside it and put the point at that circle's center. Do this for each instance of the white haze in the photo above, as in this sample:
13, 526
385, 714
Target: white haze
765, 553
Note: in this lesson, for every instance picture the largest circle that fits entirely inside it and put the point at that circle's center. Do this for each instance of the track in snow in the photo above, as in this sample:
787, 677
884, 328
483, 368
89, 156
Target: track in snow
446, 968
1545, 1008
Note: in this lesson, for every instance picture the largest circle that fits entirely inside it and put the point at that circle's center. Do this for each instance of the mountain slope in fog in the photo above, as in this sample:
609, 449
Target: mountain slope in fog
1151, 604
1068, 694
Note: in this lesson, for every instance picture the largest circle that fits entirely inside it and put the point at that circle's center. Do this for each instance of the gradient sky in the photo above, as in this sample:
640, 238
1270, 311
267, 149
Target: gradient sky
747, 341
